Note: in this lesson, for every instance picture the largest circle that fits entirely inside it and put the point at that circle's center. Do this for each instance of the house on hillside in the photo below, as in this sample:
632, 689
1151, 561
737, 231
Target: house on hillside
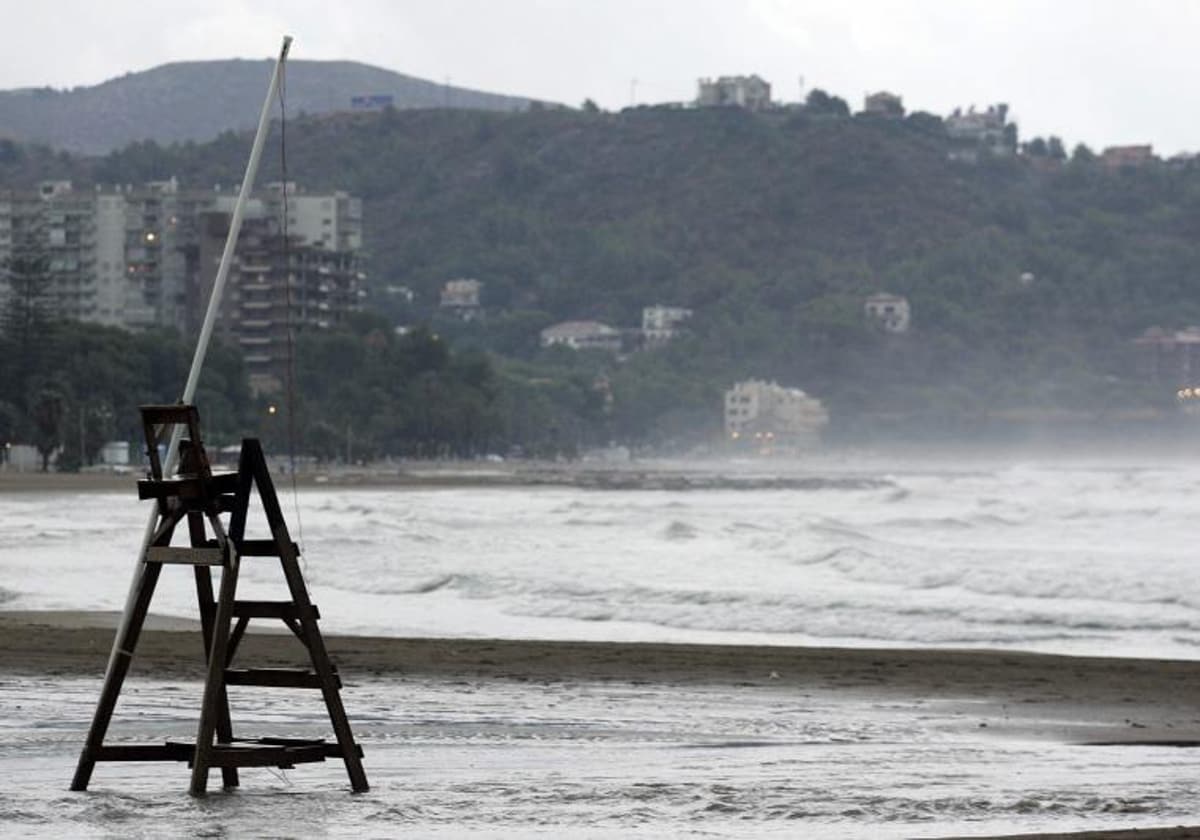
461, 298
976, 133
767, 416
891, 312
661, 323
749, 92
582, 335
883, 104
1127, 157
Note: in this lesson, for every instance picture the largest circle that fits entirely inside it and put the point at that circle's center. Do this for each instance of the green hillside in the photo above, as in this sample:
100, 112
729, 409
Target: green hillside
772, 227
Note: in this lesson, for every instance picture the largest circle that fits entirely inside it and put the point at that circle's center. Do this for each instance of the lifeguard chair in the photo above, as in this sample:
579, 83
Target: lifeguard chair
202, 497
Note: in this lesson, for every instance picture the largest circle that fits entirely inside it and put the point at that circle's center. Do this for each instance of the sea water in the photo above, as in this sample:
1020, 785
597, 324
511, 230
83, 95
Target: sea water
1067, 558
1079, 558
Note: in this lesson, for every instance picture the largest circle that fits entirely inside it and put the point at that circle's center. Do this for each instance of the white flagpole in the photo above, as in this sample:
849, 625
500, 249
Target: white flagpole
206, 330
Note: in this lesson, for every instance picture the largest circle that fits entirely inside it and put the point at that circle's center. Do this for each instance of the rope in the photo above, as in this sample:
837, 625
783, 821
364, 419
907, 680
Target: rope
291, 327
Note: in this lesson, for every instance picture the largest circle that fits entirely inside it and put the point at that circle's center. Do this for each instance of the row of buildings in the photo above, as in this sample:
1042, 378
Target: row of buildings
145, 256
973, 134
890, 313
660, 324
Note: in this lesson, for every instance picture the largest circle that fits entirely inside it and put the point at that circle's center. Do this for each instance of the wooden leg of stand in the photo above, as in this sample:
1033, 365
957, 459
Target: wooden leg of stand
312, 634
118, 667
333, 702
214, 685
208, 609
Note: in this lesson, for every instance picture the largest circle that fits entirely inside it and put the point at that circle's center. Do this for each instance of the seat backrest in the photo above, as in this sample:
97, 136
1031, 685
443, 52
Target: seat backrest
158, 423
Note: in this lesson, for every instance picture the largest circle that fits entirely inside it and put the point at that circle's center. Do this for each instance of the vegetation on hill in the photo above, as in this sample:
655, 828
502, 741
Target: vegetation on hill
1027, 276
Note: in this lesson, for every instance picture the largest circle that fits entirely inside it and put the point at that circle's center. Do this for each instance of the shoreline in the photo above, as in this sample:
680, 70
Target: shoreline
832, 468
1073, 697
979, 694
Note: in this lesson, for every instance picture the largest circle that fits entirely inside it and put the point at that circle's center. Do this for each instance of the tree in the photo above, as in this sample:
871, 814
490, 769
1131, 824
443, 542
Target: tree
1082, 154
25, 320
48, 411
821, 103
590, 107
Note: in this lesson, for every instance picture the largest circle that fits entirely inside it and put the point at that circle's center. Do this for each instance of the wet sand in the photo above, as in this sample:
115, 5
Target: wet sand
1069, 699
993, 695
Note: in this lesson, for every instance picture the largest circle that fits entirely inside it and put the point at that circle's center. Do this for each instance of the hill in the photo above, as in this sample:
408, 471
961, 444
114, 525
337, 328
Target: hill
198, 100
1028, 276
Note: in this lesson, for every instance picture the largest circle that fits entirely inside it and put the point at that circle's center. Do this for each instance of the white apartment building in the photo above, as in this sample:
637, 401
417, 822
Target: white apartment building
128, 255
661, 323
332, 221
767, 415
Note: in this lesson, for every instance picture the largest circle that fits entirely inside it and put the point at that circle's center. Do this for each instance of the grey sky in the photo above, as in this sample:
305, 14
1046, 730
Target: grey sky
1097, 71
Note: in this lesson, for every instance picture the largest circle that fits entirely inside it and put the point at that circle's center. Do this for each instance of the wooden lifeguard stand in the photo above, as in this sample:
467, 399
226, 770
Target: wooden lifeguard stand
202, 497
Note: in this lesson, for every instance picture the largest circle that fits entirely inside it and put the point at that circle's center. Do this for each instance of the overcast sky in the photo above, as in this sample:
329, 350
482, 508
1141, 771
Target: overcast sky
1097, 71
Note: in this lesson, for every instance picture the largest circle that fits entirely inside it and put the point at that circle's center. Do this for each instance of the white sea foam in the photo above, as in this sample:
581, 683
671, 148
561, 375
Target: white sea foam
1083, 560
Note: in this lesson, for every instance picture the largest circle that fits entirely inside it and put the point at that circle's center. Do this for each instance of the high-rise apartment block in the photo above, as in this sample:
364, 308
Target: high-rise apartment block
146, 255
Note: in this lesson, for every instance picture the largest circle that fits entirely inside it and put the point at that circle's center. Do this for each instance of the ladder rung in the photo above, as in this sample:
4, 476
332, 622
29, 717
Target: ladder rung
145, 752
270, 609
187, 486
170, 413
258, 548
185, 555
332, 748
262, 548
236, 755
276, 678
180, 751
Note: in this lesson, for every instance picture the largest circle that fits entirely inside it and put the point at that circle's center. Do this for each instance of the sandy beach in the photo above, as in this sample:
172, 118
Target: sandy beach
996, 697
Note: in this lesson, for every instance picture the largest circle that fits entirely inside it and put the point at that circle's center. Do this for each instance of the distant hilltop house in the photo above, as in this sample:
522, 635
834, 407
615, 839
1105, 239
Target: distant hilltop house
1171, 357
891, 312
661, 323
884, 104
1121, 157
582, 335
766, 415
978, 133
749, 92
461, 297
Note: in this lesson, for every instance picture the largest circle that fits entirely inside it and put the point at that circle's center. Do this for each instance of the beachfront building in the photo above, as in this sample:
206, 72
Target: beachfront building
129, 255
769, 417
1170, 357
749, 92
273, 287
890, 312
329, 220
582, 335
661, 323
49, 248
